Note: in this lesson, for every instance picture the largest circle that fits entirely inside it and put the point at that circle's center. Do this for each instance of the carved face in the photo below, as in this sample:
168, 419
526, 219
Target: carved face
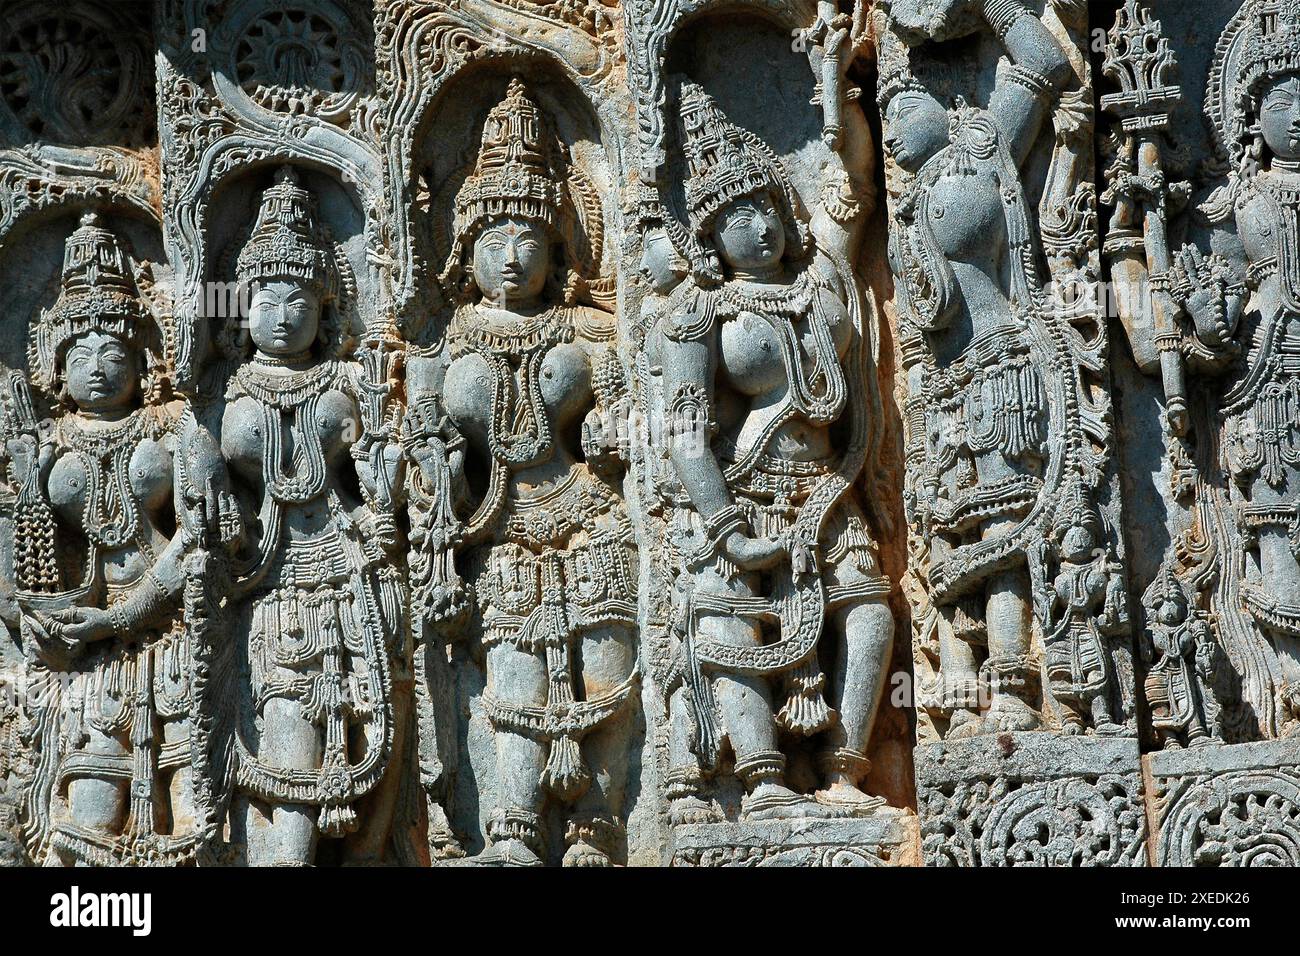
284, 316
1279, 116
1077, 544
659, 262
1170, 612
511, 260
917, 129
102, 372
749, 233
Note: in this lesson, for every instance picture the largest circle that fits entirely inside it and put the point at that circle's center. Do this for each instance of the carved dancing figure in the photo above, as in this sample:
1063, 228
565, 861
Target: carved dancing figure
530, 380
99, 574
323, 698
970, 304
761, 350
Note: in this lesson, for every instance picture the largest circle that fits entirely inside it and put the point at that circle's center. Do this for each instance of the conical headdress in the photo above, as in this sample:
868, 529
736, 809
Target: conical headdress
723, 162
513, 176
285, 241
97, 292
1273, 45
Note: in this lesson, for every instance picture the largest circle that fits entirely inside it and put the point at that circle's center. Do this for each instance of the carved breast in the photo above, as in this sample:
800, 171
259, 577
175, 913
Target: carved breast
1259, 228
751, 348
965, 215
149, 471
334, 422
563, 382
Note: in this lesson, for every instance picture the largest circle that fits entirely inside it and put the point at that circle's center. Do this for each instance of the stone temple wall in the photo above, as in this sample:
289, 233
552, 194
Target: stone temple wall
662, 433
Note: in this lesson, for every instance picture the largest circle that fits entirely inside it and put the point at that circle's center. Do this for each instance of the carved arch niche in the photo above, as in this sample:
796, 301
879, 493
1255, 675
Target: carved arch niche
448, 146
340, 210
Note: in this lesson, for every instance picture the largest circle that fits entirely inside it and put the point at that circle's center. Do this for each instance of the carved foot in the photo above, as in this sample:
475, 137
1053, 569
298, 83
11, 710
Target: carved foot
851, 800
964, 723
1112, 729
1010, 714
772, 801
692, 810
508, 853
583, 853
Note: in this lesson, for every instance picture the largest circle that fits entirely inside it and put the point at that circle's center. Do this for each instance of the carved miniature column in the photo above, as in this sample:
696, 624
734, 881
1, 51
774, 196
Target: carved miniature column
1023, 661
1205, 269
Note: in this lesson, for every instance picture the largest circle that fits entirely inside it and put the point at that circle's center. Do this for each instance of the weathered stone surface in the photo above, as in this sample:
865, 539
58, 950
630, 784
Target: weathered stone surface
527, 433
1236, 805
875, 841
1030, 799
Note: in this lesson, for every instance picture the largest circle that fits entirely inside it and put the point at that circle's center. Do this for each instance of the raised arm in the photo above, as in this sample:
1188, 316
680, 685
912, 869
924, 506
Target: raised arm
1039, 73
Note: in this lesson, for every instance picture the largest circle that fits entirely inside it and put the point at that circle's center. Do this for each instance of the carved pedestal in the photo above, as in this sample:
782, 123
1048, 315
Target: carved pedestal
883, 840
1031, 799
1235, 805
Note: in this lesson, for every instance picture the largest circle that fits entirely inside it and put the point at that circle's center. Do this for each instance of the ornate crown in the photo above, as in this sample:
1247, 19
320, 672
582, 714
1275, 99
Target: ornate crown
512, 176
723, 161
1274, 44
285, 241
97, 292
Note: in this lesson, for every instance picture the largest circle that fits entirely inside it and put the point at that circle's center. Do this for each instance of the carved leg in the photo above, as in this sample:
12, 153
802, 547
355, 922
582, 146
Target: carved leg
284, 834
98, 804
865, 635
1280, 572
366, 846
178, 816
1009, 629
514, 834
684, 779
748, 716
594, 835
959, 674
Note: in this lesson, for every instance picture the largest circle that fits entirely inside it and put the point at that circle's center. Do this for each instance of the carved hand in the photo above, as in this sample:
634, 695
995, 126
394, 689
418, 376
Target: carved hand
753, 554
1205, 302
599, 446
84, 625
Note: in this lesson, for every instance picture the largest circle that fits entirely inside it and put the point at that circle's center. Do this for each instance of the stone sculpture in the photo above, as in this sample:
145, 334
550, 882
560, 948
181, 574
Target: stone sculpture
324, 662
554, 571
770, 320
98, 573
507, 433
1010, 450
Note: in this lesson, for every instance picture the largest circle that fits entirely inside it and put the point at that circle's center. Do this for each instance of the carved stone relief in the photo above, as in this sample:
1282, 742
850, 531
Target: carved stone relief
508, 433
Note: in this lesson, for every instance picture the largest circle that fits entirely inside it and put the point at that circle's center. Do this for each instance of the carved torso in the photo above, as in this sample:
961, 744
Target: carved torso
515, 385
306, 420
114, 482
752, 363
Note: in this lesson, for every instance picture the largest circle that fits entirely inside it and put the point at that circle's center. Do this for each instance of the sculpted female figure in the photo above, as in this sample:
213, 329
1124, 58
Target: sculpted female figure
528, 371
112, 780
962, 252
760, 351
1246, 242
324, 663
